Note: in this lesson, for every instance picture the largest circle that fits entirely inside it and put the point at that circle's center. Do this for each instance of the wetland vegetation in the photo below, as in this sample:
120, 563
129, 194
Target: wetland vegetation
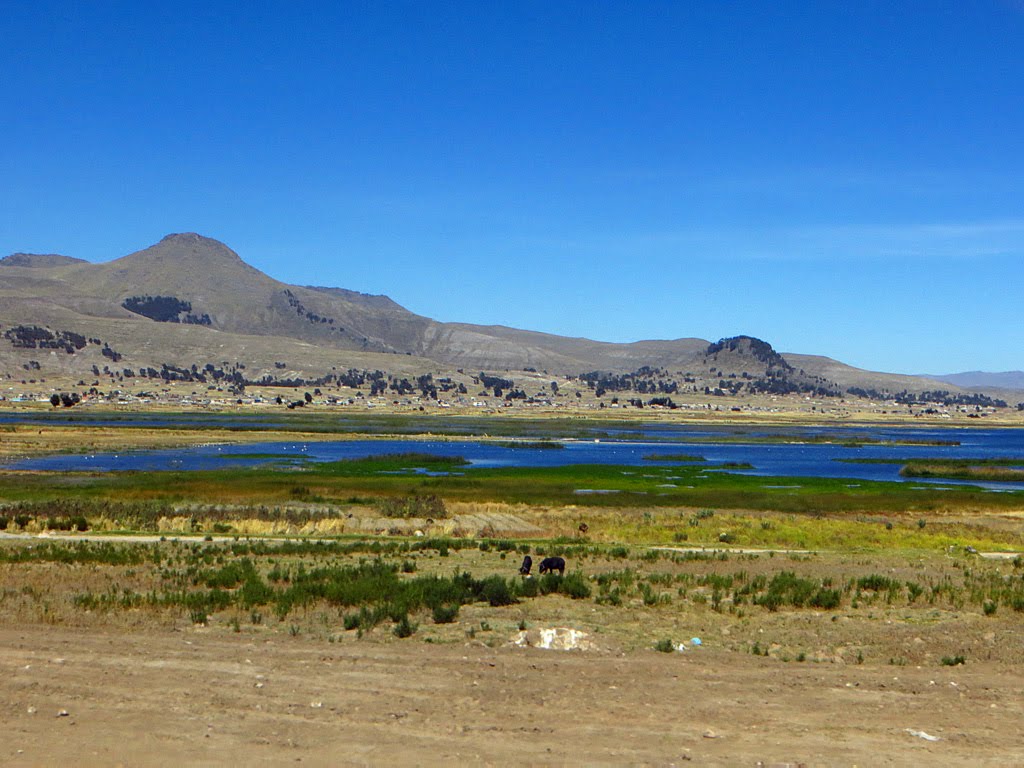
419, 545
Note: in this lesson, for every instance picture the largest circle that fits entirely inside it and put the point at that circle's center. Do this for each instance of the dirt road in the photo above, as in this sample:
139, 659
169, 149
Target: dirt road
201, 697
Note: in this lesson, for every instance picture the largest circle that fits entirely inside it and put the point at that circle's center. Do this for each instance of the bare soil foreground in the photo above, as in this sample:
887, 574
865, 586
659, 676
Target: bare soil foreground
177, 697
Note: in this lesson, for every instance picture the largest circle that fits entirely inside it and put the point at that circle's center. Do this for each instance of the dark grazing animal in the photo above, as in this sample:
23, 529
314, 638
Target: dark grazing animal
550, 564
524, 569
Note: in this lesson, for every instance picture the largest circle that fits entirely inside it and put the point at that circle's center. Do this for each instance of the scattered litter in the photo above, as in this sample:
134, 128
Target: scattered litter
695, 641
63, 713
709, 734
316, 704
921, 734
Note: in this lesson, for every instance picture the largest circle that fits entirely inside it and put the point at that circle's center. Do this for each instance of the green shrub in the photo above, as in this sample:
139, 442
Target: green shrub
528, 588
575, 586
786, 587
404, 627
495, 590
877, 583
611, 597
445, 614
826, 599
664, 645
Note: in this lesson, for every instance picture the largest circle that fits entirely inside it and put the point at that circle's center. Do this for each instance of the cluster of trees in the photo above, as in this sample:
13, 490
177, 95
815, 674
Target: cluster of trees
377, 382
492, 382
776, 380
301, 311
496, 384
65, 399
645, 380
231, 376
34, 337
781, 385
941, 396
351, 378
761, 351
664, 402
165, 309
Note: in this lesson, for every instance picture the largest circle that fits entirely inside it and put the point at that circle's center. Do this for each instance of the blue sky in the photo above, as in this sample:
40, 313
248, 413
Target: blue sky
836, 178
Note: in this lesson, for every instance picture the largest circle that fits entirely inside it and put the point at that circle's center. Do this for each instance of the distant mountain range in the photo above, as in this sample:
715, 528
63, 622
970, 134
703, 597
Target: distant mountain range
190, 304
1013, 380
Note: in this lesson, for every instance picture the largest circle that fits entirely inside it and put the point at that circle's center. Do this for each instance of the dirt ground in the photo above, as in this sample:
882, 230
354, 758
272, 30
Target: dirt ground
174, 697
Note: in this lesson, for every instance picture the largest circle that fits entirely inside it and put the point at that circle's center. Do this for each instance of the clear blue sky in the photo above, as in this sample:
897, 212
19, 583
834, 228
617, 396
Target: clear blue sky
837, 178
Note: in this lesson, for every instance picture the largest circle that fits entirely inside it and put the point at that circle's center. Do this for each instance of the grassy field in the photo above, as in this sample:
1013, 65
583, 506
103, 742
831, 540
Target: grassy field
794, 608
603, 515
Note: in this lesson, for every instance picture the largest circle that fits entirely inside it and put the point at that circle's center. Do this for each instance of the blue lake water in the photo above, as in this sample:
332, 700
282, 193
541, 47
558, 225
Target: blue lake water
767, 459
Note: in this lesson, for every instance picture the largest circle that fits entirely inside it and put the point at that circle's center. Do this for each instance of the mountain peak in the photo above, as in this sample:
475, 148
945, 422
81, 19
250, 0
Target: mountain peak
184, 247
761, 351
190, 238
195, 243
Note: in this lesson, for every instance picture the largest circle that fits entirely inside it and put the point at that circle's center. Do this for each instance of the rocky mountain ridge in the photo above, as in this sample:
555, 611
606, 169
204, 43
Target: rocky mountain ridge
190, 304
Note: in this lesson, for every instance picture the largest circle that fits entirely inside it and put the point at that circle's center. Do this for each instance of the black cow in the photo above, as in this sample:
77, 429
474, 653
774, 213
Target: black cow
551, 564
524, 569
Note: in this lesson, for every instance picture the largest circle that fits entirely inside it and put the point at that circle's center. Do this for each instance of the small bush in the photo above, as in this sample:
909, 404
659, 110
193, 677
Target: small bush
404, 627
445, 614
877, 583
612, 597
953, 661
528, 588
575, 586
826, 599
495, 590
664, 645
